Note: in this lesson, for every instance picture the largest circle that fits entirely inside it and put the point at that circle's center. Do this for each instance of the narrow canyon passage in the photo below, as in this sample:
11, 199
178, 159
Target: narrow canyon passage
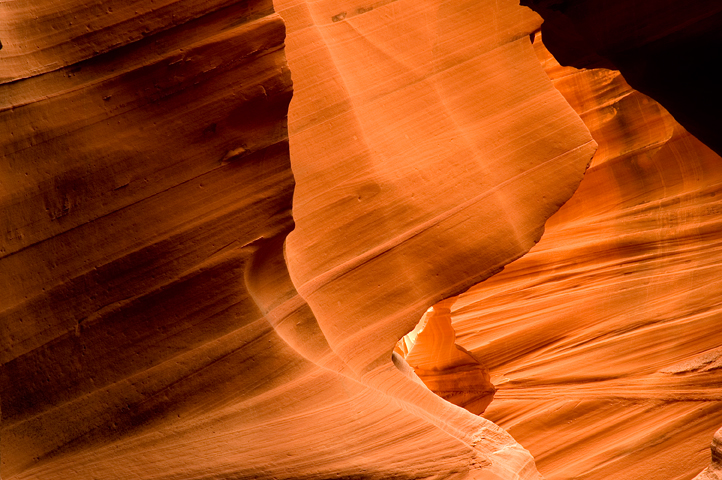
448, 370
150, 326
218, 218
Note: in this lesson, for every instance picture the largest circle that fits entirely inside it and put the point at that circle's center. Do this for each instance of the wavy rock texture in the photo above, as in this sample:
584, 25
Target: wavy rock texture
444, 154
150, 328
604, 340
133, 186
417, 160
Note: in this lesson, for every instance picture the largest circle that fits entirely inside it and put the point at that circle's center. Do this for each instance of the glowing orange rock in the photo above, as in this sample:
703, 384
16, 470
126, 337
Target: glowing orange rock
714, 471
604, 340
447, 369
423, 163
150, 327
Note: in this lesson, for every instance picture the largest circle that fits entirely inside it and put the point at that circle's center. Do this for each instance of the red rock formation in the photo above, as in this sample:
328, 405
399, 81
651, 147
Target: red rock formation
604, 340
418, 163
714, 471
134, 184
156, 324
150, 326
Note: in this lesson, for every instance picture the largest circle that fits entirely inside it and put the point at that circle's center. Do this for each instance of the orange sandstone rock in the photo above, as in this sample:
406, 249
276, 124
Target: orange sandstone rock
139, 166
416, 160
714, 471
447, 369
423, 163
153, 324
604, 340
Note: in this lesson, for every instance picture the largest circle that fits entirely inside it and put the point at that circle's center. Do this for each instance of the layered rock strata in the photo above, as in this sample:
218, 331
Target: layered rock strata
424, 133
428, 137
604, 340
144, 151
150, 327
714, 471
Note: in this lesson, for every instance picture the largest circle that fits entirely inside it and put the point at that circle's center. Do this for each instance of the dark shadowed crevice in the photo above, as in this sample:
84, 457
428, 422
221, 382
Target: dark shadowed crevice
667, 50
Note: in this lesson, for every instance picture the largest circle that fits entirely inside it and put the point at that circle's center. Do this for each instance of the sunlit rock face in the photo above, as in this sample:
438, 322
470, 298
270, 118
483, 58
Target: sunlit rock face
158, 321
412, 142
446, 368
604, 341
155, 322
421, 148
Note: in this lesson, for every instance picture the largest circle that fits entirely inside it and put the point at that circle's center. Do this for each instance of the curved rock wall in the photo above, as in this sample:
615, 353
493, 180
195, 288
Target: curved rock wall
144, 150
150, 327
397, 135
604, 340
157, 322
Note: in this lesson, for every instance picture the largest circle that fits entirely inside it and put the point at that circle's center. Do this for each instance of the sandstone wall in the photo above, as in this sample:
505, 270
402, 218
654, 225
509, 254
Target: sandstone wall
604, 340
149, 325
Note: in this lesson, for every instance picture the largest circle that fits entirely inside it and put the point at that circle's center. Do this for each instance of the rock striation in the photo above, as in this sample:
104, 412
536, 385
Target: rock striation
604, 341
714, 471
158, 321
416, 161
144, 152
205, 267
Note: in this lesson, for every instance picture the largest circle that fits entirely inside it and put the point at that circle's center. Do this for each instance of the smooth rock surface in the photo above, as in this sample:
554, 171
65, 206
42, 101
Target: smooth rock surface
428, 137
413, 161
150, 328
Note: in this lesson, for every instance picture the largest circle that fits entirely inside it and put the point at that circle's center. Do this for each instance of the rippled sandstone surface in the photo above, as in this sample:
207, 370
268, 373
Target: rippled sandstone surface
155, 322
199, 281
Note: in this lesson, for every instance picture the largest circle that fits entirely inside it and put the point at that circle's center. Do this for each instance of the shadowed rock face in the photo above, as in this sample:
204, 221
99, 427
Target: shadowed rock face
603, 341
669, 50
143, 155
155, 321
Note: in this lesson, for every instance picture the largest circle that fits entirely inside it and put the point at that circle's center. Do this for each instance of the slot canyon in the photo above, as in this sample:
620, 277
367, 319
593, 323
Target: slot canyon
343, 239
